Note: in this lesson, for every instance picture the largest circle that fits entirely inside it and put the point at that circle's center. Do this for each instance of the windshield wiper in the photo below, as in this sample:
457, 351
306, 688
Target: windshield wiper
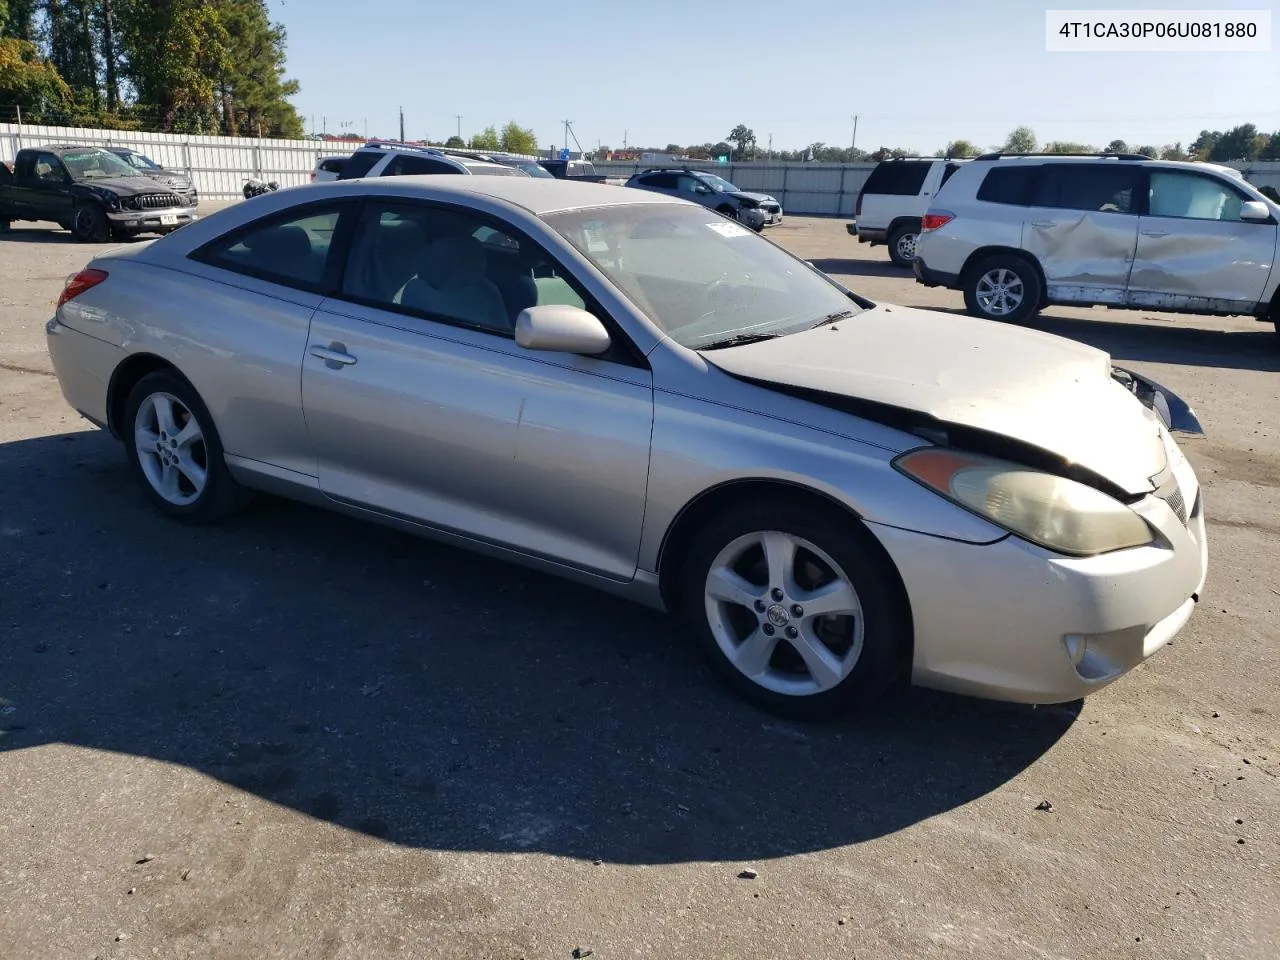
738, 340
832, 318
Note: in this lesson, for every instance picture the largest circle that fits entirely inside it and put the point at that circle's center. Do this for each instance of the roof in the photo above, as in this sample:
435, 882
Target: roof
535, 194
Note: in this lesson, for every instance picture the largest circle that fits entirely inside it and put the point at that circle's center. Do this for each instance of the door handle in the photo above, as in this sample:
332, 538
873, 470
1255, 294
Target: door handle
1042, 223
1155, 233
335, 355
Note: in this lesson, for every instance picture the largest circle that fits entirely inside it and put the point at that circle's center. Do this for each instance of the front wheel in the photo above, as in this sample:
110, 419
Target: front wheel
1003, 287
89, 224
794, 609
175, 453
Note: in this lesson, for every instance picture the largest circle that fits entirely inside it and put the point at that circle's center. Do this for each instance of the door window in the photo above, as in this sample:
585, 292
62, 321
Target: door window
692, 185
360, 163
450, 266
409, 166
660, 181
1090, 187
1193, 197
49, 169
293, 250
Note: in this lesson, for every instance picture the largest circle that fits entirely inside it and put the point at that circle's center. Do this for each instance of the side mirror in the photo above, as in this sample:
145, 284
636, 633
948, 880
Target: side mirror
561, 328
1254, 210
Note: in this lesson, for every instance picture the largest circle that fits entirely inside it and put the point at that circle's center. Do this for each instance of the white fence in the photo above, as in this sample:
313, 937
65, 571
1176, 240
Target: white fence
220, 165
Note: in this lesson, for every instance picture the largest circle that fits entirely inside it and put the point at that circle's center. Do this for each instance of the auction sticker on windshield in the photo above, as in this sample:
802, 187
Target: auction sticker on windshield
727, 228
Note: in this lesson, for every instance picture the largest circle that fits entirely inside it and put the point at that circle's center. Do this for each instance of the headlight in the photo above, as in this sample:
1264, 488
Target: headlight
1054, 512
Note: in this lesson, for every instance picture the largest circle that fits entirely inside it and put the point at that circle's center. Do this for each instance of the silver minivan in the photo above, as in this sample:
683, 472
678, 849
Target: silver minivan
1018, 233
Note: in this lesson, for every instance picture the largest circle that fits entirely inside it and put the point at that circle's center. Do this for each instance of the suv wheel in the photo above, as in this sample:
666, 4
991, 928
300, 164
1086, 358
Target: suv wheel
902, 244
1003, 287
727, 211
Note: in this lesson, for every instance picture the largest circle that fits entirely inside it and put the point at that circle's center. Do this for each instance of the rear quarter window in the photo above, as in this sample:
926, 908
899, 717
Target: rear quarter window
358, 164
1008, 185
897, 178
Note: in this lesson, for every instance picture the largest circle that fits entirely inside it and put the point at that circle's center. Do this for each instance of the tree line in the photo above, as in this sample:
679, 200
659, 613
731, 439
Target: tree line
1242, 143
180, 66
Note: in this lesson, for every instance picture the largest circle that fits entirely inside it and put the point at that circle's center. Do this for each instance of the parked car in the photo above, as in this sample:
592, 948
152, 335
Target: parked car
385, 159
1017, 233
583, 170
893, 201
176, 180
91, 192
328, 168
610, 385
756, 210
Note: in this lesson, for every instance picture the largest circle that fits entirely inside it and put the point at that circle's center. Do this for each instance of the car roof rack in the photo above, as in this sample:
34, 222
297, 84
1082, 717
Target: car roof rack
999, 155
675, 169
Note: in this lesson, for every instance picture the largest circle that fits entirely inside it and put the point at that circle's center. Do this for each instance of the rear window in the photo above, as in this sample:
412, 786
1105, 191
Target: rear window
1008, 185
333, 166
360, 163
898, 178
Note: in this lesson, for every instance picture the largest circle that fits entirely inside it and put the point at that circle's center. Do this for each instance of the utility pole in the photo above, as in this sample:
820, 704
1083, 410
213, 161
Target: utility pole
566, 134
458, 117
366, 128
324, 126
771, 146
402, 124
853, 144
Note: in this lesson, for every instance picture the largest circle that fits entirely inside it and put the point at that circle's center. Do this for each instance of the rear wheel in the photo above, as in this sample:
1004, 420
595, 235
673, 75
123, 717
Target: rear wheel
794, 609
89, 225
175, 453
1003, 287
727, 211
902, 244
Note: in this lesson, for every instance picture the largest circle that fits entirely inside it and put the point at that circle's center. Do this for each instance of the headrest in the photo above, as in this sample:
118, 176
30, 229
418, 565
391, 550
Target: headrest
289, 241
453, 262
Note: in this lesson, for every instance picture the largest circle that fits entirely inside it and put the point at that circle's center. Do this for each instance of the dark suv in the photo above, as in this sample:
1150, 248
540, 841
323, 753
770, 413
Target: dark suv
756, 210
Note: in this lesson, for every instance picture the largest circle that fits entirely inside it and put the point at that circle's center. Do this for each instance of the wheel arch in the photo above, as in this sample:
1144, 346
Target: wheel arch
725, 496
897, 222
125, 377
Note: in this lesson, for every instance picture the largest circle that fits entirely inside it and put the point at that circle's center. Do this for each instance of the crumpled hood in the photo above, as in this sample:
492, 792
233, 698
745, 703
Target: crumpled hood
1033, 387
178, 181
124, 186
757, 197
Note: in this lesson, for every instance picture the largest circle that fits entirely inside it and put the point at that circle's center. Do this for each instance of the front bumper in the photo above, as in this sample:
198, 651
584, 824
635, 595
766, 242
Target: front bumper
1011, 621
149, 221
934, 278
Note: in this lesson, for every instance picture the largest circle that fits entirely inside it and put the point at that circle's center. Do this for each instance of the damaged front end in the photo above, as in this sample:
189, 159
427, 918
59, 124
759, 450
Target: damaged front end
1174, 412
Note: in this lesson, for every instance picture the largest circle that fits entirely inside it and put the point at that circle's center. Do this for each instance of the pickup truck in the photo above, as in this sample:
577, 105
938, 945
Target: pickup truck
89, 191
577, 170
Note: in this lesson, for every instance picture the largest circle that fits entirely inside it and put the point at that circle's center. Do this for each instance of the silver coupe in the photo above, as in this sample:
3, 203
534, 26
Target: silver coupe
629, 390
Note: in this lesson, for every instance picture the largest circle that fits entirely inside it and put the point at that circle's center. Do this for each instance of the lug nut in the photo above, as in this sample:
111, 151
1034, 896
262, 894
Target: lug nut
768, 630
792, 633
777, 594
797, 611
760, 606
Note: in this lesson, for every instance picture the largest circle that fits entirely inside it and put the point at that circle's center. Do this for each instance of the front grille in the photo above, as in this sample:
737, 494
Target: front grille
157, 201
771, 207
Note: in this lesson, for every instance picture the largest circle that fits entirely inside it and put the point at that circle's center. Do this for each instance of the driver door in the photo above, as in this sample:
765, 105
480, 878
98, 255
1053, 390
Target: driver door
691, 188
51, 197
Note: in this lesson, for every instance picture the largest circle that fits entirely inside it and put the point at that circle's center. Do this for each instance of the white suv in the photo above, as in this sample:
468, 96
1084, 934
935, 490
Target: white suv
893, 201
1017, 233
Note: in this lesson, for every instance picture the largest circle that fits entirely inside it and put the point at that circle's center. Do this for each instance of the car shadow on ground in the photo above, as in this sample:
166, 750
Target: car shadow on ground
837, 266
36, 235
430, 696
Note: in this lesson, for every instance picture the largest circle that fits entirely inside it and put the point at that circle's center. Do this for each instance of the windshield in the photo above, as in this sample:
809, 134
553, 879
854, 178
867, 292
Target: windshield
701, 277
96, 165
534, 169
718, 184
494, 170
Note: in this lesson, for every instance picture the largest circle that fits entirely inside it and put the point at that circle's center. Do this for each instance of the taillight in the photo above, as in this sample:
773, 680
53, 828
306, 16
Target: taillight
857, 205
313, 174
935, 219
78, 283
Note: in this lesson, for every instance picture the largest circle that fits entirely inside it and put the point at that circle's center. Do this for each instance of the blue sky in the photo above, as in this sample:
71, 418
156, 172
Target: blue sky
918, 74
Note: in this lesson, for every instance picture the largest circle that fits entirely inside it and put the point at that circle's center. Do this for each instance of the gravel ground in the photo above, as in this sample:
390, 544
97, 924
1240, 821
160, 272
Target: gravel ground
299, 736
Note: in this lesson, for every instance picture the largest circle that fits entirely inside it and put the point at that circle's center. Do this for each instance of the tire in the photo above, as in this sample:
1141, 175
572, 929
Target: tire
1003, 287
856, 654
4, 226
902, 244
729, 212
89, 225
171, 479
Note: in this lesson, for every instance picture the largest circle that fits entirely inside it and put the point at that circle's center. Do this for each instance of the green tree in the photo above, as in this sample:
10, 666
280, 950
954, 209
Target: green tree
742, 138
1203, 145
518, 139
1147, 150
1173, 151
1066, 146
31, 83
1118, 146
486, 139
18, 19
252, 89
1020, 140
960, 149
1270, 148
1238, 143
455, 142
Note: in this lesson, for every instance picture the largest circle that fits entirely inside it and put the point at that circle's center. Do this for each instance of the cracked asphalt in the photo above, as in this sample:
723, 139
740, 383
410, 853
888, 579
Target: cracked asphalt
301, 736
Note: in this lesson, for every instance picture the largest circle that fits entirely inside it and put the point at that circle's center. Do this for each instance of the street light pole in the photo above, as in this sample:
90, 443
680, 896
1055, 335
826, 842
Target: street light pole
853, 144
459, 119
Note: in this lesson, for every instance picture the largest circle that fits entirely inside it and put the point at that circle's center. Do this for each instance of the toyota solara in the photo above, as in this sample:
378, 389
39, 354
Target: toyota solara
635, 392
